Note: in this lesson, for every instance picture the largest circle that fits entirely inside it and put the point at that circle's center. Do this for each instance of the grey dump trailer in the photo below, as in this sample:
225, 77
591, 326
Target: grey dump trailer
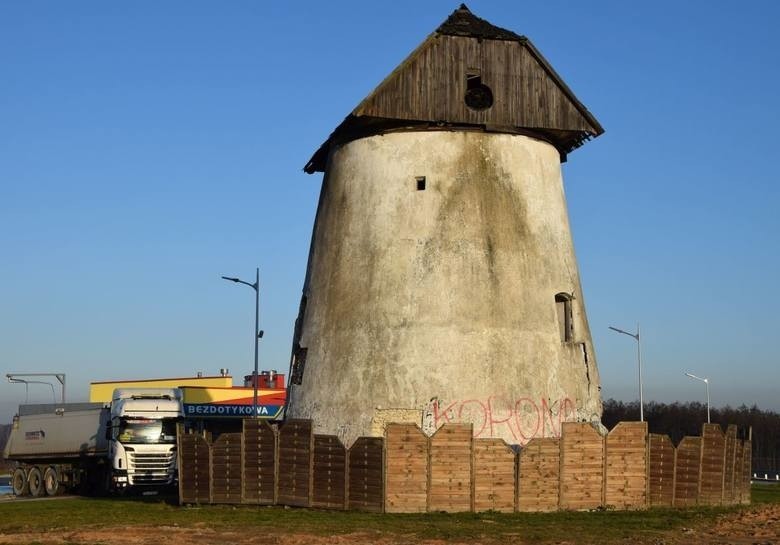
96, 447
57, 447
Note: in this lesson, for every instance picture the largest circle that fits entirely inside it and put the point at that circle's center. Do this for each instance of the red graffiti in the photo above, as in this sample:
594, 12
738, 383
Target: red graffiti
523, 418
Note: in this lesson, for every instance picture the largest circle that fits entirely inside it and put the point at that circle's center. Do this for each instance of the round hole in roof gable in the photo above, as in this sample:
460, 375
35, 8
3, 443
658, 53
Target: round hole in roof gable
478, 95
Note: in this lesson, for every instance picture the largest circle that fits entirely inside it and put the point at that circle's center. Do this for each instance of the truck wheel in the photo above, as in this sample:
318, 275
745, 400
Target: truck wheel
35, 482
51, 482
19, 482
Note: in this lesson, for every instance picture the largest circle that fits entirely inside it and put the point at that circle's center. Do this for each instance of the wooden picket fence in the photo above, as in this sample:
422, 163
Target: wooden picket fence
407, 471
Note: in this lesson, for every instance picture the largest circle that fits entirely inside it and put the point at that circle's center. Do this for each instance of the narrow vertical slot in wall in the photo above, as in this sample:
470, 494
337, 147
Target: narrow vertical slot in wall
565, 322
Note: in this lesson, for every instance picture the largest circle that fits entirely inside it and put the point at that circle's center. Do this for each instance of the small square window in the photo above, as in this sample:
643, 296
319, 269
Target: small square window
420, 183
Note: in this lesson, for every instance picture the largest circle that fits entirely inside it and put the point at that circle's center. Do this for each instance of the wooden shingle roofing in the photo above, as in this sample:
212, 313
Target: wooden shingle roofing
428, 89
464, 23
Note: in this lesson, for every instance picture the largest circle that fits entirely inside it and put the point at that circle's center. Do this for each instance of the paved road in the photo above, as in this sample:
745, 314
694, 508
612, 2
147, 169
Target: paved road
11, 497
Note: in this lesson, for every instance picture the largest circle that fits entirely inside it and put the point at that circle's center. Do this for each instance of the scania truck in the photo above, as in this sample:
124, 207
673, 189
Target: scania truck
95, 448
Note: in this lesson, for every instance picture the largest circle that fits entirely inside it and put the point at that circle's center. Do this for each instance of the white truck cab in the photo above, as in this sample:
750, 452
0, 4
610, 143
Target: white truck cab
96, 447
142, 436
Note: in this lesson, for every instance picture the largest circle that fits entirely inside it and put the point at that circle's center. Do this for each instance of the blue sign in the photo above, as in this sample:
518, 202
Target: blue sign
208, 410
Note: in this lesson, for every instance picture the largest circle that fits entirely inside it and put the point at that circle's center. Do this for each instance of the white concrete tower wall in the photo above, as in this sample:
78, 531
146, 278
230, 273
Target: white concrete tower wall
431, 291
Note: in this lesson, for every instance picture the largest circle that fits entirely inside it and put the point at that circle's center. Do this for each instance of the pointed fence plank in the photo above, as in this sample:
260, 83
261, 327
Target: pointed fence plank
406, 469
494, 477
661, 454
295, 455
582, 466
259, 462
739, 452
330, 473
226, 468
713, 451
539, 475
625, 466
687, 472
365, 488
194, 469
450, 469
747, 461
729, 466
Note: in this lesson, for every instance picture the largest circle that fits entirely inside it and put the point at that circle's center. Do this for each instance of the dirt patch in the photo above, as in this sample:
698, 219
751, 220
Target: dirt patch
203, 536
758, 525
752, 526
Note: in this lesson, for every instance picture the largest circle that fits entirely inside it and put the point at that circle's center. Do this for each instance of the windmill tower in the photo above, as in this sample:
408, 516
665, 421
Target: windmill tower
442, 284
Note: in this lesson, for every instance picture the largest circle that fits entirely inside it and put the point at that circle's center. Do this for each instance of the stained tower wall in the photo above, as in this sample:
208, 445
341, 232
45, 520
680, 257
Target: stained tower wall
431, 290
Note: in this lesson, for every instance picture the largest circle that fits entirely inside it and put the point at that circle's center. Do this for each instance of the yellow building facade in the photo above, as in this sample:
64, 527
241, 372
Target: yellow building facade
100, 392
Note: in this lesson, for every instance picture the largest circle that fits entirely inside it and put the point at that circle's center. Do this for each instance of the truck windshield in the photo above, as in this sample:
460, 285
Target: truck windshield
144, 430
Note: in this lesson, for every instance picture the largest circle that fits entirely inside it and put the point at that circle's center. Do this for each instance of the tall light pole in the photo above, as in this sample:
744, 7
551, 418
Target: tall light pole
639, 362
258, 334
706, 382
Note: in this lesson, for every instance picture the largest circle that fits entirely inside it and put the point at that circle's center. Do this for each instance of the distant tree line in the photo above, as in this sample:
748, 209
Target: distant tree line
680, 419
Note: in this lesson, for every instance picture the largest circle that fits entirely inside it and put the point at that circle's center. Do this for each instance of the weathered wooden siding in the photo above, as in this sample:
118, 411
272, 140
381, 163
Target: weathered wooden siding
431, 85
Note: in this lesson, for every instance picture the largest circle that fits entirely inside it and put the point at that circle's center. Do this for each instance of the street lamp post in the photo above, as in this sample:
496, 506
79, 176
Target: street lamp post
258, 334
14, 377
706, 382
14, 380
639, 362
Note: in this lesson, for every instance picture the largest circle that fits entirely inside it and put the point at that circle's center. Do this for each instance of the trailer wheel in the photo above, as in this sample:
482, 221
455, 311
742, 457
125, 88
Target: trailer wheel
51, 482
19, 482
35, 482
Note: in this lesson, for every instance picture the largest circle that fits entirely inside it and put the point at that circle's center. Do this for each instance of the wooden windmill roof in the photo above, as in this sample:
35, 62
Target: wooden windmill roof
466, 54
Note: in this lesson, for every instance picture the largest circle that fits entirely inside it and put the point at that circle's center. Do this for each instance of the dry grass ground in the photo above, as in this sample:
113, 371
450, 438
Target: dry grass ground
82, 521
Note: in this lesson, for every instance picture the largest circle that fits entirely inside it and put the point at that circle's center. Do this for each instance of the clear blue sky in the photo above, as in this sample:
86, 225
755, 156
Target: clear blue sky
146, 148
